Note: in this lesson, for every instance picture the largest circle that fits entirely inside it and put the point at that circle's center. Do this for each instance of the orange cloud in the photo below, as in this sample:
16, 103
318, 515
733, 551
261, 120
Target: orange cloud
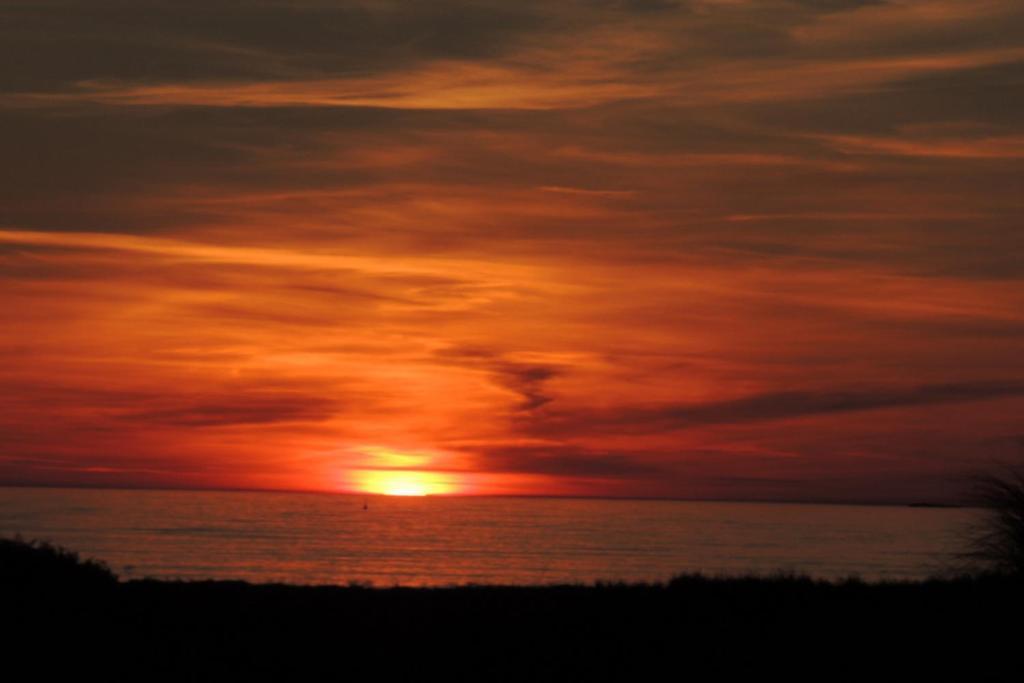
712, 249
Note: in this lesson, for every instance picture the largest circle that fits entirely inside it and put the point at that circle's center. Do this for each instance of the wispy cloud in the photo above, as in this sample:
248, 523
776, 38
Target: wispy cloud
635, 247
783, 405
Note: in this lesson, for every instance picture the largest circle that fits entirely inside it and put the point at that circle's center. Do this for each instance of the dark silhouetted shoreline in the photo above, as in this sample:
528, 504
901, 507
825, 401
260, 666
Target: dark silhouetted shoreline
85, 621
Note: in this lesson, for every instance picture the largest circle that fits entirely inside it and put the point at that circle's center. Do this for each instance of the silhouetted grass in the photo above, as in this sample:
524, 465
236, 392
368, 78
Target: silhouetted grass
693, 627
996, 543
32, 562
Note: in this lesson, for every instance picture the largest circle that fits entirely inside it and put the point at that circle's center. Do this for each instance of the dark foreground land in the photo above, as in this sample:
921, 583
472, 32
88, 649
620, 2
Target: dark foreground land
64, 617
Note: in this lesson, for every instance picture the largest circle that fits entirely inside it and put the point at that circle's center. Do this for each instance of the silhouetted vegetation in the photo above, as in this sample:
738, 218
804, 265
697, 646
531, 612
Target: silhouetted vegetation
693, 627
26, 563
997, 541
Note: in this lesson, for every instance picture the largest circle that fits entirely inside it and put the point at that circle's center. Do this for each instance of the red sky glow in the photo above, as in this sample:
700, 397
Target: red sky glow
740, 249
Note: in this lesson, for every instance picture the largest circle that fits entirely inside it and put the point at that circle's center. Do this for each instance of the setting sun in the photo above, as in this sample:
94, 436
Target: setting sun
404, 483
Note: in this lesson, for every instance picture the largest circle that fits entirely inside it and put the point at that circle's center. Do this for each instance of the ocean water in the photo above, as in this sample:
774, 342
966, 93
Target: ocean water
324, 538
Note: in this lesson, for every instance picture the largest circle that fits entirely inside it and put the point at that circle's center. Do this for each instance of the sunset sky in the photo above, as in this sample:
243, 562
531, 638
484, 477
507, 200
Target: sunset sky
743, 249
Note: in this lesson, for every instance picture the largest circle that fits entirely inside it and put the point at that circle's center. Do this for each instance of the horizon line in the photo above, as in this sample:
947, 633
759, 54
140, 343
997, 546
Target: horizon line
216, 489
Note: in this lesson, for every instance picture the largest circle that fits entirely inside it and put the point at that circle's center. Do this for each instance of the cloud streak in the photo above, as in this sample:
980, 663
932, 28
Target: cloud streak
785, 405
697, 248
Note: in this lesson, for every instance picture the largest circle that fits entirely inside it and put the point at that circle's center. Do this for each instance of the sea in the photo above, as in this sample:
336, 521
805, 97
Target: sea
310, 538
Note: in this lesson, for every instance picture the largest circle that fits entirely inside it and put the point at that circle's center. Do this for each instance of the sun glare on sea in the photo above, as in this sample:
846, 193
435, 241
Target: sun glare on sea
403, 483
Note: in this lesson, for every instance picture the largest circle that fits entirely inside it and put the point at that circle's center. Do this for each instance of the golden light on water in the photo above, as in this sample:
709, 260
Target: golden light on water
404, 483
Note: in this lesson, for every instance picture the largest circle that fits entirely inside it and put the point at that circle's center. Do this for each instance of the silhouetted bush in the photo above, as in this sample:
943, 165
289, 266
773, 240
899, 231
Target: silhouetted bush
38, 563
745, 628
997, 541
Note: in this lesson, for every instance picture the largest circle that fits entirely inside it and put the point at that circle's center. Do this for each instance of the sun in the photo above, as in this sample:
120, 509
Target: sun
403, 483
